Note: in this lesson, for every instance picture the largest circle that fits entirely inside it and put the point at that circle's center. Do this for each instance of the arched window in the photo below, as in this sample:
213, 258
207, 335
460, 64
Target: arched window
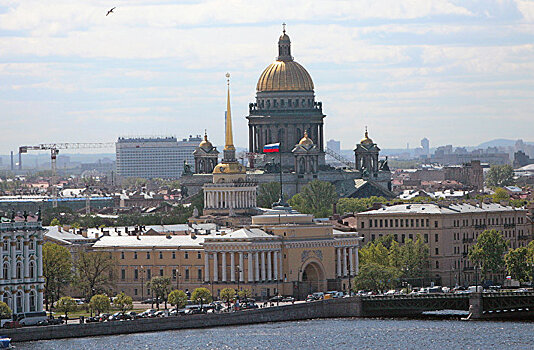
19, 244
32, 244
33, 301
6, 298
6, 271
32, 269
18, 302
19, 270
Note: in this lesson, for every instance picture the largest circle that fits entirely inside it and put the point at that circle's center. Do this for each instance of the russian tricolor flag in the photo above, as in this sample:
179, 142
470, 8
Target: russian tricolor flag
271, 148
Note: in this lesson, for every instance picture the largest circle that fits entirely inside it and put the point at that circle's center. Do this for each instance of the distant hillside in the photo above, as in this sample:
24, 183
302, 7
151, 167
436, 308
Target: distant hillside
499, 143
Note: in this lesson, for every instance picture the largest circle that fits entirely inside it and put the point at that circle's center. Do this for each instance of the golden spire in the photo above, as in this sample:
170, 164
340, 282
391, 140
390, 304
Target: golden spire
229, 141
366, 140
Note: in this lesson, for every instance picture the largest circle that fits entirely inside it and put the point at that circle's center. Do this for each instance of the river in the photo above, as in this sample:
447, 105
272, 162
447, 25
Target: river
320, 334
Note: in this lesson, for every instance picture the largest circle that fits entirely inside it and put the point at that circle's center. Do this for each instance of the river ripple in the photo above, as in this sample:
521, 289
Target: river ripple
320, 334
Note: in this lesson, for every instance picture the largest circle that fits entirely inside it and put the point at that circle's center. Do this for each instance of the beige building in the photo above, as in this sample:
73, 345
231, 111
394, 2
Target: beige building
281, 252
449, 230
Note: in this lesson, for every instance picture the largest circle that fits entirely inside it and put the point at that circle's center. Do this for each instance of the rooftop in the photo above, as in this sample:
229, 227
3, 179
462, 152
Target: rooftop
431, 208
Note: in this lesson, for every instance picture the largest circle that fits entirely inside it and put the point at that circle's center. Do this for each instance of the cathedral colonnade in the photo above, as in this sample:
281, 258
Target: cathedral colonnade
230, 198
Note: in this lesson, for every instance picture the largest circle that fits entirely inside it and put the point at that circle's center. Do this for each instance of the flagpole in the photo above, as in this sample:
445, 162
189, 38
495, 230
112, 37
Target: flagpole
281, 194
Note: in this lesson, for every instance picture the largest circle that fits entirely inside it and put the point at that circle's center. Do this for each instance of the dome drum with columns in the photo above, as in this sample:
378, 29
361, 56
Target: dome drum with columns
285, 107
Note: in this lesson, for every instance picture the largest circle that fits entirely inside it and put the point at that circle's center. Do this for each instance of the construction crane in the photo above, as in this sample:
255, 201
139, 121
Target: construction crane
54, 151
339, 158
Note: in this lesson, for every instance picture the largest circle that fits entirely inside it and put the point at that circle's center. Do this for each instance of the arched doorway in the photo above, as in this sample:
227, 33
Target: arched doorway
312, 279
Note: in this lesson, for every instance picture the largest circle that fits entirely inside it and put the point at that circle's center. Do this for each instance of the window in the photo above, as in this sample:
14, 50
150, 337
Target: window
370, 223
401, 223
148, 255
437, 264
135, 291
381, 223
174, 274
148, 291
32, 269
416, 222
19, 270
187, 274
32, 244
161, 272
410, 236
186, 255
135, 255
372, 237
363, 224
435, 224
396, 222
174, 255
19, 244
436, 237
123, 274
161, 255
386, 223
136, 274
122, 255
403, 238
411, 223
200, 274
426, 237
437, 251
199, 256
148, 274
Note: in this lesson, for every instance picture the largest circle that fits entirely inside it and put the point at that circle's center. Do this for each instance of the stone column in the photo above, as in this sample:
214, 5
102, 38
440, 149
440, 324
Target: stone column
280, 272
275, 265
250, 267
40, 299
232, 266
263, 277
206, 267
223, 266
338, 262
269, 266
215, 267
345, 271
39, 258
250, 139
257, 266
242, 268
26, 304
351, 261
357, 263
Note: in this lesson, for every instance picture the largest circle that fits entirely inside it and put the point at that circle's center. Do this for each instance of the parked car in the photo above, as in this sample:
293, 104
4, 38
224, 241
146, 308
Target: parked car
276, 298
132, 315
159, 313
103, 317
55, 321
148, 301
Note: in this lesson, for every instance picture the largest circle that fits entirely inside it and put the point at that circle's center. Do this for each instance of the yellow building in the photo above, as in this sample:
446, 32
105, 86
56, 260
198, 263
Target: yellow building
281, 252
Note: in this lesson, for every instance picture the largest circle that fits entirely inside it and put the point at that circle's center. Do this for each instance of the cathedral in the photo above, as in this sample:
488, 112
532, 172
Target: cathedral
286, 112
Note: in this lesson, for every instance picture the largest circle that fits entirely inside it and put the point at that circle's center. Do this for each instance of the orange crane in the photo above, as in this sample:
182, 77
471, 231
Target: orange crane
54, 151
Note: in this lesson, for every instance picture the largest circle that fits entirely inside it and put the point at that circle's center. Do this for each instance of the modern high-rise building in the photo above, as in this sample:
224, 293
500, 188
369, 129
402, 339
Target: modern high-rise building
154, 157
426, 146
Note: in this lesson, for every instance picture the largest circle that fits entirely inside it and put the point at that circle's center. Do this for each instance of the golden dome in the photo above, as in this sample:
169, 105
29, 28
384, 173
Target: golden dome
229, 168
205, 143
306, 141
366, 140
285, 76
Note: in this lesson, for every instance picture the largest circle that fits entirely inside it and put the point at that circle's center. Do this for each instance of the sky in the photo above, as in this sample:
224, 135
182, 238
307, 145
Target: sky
458, 72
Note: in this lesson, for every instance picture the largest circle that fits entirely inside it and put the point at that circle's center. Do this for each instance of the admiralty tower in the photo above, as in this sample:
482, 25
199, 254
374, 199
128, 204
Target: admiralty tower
285, 107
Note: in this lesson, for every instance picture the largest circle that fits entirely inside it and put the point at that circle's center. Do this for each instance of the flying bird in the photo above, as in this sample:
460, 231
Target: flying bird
110, 11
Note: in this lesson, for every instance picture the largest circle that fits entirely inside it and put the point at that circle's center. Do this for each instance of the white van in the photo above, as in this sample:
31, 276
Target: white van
31, 318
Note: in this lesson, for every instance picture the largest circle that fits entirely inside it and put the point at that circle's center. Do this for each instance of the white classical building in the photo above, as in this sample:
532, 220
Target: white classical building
21, 275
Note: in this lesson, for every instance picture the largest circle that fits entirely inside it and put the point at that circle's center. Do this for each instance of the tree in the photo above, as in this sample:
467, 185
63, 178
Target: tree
488, 252
66, 305
100, 303
160, 287
227, 295
5, 311
375, 277
57, 270
500, 195
123, 302
177, 298
517, 266
316, 198
201, 296
268, 193
414, 259
244, 294
54, 222
95, 272
500, 175
356, 205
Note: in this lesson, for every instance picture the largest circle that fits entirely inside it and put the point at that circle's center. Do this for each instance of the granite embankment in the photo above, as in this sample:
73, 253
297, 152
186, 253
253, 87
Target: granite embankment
346, 307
